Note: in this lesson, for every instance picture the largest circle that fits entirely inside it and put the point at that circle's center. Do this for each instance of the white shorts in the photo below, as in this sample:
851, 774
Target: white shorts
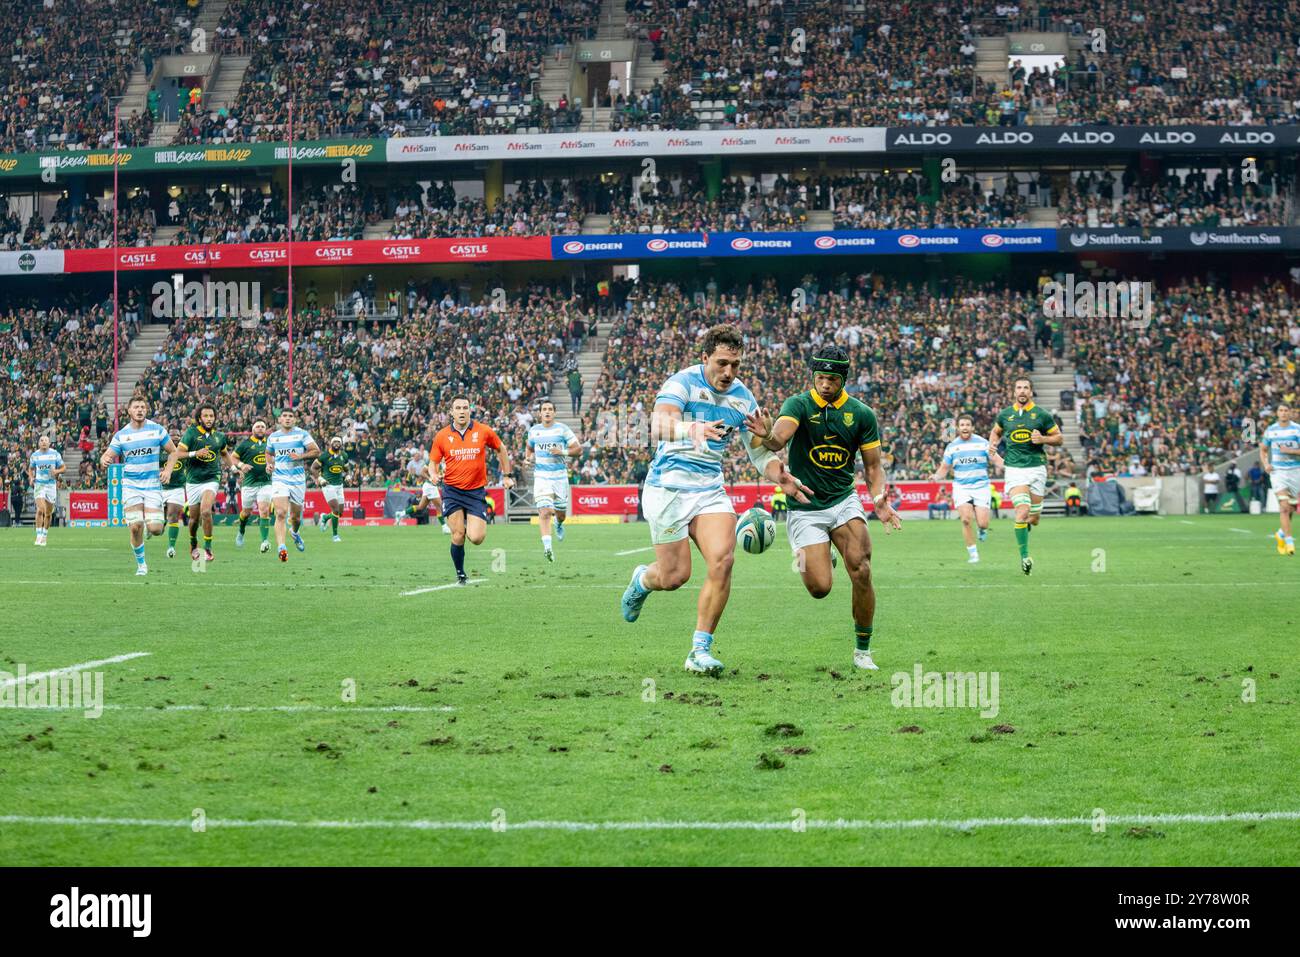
194, 493
814, 527
1035, 478
670, 513
333, 494
431, 492
151, 500
294, 493
551, 492
974, 495
174, 496
1286, 483
254, 496
47, 493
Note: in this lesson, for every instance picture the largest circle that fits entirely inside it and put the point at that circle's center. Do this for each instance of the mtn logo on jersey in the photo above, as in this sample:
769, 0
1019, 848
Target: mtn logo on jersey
828, 456
1021, 435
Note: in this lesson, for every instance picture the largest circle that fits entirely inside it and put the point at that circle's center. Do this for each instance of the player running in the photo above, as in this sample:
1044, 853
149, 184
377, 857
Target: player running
43, 470
1028, 428
430, 496
330, 470
967, 457
549, 444
138, 445
696, 413
461, 449
826, 430
1282, 438
249, 460
204, 449
288, 450
173, 494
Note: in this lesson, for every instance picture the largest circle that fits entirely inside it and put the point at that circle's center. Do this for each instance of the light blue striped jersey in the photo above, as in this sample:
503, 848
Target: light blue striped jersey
547, 444
138, 450
679, 465
279, 444
969, 461
42, 462
1278, 434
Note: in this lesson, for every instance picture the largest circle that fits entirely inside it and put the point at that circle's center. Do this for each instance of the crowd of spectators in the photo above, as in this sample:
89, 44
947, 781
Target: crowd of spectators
84, 225
1197, 198
533, 209
65, 61
320, 213
899, 201
667, 206
1175, 396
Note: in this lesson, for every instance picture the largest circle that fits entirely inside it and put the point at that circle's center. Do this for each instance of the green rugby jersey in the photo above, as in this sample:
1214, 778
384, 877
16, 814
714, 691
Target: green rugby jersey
826, 443
177, 479
252, 452
333, 466
1017, 426
207, 446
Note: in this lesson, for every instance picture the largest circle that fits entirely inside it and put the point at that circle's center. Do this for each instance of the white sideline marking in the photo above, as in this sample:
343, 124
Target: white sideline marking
838, 824
421, 591
289, 708
633, 551
1244, 531
71, 669
1183, 521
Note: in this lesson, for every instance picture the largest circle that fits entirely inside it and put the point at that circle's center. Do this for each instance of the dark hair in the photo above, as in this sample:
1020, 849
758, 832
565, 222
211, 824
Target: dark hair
1023, 378
967, 416
198, 410
546, 402
457, 398
138, 397
723, 334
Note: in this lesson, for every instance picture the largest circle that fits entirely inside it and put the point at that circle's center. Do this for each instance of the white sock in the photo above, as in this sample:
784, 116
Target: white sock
972, 549
546, 542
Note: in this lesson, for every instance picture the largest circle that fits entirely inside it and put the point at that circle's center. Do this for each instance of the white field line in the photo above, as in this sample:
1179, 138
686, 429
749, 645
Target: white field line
634, 551
1244, 531
1183, 521
71, 669
421, 591
263, 709
838, 824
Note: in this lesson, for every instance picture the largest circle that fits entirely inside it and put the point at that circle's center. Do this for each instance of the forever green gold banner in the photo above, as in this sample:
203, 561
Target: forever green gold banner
199, 156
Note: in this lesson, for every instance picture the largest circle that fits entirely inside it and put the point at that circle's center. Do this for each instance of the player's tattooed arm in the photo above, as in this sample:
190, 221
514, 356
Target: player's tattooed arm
879, 488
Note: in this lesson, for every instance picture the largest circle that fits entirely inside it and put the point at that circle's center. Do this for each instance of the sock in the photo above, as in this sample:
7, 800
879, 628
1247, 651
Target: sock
194, 537
862, 637
334, 521
173, 533
972, 550
139, 553
296, 524
441, 520
458, 558
207, 543
264, 527
410, 510
558, 520
1022, 539
701, 640
546, 542
640, 584
243, 523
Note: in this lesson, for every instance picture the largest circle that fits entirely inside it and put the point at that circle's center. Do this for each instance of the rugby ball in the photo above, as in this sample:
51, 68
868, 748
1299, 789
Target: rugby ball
756, 531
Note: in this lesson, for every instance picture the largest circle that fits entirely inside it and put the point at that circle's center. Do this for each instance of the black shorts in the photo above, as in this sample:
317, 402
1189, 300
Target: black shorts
471, 501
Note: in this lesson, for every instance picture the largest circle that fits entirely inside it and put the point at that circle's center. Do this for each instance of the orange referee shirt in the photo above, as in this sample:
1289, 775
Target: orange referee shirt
465, 454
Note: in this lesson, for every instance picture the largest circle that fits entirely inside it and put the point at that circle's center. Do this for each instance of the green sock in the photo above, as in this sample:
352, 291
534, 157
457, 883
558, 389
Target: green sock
173, 532
1022, 539
441, 520
410, 510
862, 637
264, 527
207, 543
243, 523
334, 521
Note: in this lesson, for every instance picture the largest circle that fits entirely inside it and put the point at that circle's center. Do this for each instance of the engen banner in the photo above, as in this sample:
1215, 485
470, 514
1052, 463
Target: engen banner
622, 499
852, 242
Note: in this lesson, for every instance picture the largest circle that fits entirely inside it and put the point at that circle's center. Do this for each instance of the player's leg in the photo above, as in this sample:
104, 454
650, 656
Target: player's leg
456, 516
205, 514
544, 514
982, 520
853, 542
1287, 491
1020, 501
476, 528
966, 512
245, 513
173, 516
281, 523
264, 517
560, 515
193, 503
714, 534
671, 568
296, 501
814, 563
412, 509
1035, 509
133, 514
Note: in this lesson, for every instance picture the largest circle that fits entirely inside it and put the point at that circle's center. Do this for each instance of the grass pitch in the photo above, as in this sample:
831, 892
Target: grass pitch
538, 727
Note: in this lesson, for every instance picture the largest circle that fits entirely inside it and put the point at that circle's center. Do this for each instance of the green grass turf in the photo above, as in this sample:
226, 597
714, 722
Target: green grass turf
1123, 687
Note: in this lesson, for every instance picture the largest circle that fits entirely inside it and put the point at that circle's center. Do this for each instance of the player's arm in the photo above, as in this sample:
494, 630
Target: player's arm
995, 437
996, 459
667, 425
1053, 437
56, 472
573, 449
503, 461
1264, 462
878, 487
316, 473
